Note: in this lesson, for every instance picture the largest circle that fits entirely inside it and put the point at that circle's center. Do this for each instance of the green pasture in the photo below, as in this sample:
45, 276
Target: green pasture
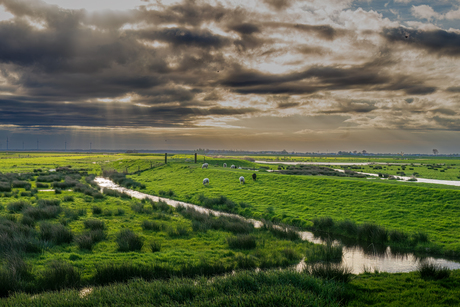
296, 200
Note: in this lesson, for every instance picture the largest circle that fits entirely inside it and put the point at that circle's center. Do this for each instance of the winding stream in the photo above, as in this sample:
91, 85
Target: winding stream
357, 258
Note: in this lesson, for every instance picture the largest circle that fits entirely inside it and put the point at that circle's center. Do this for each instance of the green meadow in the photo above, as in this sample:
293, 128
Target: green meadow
77, 245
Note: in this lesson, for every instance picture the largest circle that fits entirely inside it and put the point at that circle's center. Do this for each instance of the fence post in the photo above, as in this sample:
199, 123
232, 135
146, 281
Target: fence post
195, 157
166, 157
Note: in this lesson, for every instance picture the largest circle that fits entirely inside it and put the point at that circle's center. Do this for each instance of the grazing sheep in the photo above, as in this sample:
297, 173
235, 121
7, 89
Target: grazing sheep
242, 180
233, 166
239, 167
225, 164
205, 181
254, 176
205, 165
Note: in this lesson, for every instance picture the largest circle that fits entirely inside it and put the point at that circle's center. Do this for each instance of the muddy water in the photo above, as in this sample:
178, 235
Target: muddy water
357, 258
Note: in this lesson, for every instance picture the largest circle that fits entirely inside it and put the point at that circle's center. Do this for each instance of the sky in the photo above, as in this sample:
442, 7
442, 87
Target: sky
304, 76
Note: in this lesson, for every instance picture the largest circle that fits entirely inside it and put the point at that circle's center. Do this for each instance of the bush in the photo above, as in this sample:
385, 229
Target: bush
169, 193
17, 206
120, 211
5, 187
97, 210
42, 185
21, 184
87, 240
430, 270
45, 213
324, 253
48, 202
56, 233
128, 241
323, 223
398, 236
150, 225
330, 271
59, 275
68, 198
155, 246
242, 242
372, 233
94, 224
57, 191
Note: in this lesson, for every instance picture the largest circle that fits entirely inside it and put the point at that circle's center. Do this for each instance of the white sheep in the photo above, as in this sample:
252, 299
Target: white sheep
205, 181
240, 167
205, 165
225, 164
233, 166
242, 180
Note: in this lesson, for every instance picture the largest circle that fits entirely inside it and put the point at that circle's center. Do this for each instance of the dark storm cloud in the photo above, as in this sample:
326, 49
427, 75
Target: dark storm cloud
287, 105
279, 4
438, 42
365, 77
444, 111
352, 106
99, 115
177, 36
454, 89
448, 123
245, 28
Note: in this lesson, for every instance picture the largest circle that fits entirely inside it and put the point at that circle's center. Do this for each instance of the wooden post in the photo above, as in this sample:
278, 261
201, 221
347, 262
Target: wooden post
166, 157
196, 157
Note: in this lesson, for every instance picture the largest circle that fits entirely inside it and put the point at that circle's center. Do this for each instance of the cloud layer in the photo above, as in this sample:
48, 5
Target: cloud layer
215, 66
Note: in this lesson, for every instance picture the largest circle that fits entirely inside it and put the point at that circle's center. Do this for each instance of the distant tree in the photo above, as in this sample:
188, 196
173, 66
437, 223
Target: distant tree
435, 151
364, 152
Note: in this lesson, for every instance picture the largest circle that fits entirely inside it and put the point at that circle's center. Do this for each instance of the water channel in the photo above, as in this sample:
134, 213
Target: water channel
357, 258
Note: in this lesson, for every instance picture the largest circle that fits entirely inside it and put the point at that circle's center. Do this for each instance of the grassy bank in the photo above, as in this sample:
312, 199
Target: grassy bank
297, 200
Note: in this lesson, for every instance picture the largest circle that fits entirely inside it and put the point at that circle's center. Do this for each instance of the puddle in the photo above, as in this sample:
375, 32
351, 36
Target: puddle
358, 258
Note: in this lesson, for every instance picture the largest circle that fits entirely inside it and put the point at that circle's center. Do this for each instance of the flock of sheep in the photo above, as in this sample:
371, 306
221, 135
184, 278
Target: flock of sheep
206, 180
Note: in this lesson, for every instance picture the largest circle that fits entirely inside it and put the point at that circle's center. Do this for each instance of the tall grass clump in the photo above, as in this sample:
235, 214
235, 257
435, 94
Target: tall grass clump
17, 206
94, 224
169, 193
87, 240
5, 187
323, 223
282, 232
242, 242
56, 233
429, 270
348, 227
155, 246
150, 225
127, 241
372, 233
59, 275
221, 203
330, 271
97, 210
324, 253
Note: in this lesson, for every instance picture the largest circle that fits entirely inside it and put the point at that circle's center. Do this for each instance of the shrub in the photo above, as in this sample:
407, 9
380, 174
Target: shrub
155, 246
430, 270
290, 254
398, 236
94, 224
169, 193
74, 214
372, 233
59, 275
150, 225
323, 223
5, 187
97, 210
68, 198
107, 212
324, 253
330, 271
42, 185
56, 233
120, 211
128, 241
17, 206
21, 184
242, 242
137, 207
85, 242
180, 231
48, 202
348, 227
57, 191
42, 213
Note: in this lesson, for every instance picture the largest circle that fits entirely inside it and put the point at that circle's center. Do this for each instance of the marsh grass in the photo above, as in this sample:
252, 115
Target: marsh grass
330, 271
59, 275
127, 241
242, 242
155, 246
429, 270
324, 253
94, 224
151, 225
56, 233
